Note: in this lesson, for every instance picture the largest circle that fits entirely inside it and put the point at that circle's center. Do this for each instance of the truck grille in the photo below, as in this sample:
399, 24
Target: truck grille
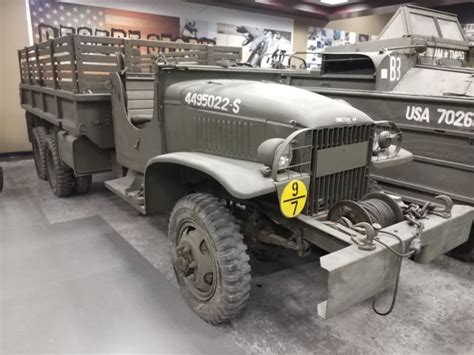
327, 189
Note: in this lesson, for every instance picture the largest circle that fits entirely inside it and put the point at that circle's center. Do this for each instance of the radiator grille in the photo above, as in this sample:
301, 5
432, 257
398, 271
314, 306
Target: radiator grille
352, 184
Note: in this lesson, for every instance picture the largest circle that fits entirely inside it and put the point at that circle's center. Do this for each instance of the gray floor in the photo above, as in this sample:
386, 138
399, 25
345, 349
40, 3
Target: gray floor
78, 287
434, 313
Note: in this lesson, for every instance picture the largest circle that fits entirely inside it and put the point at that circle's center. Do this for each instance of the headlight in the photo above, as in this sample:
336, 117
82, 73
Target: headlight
273, 149
285, 158
384, 139
266, 151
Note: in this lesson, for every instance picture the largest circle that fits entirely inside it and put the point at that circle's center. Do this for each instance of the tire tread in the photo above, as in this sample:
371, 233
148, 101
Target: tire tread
64, 174
40, 135
230, 252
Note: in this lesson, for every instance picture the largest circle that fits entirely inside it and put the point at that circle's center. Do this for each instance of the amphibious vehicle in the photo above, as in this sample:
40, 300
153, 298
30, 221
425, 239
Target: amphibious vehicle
418, 74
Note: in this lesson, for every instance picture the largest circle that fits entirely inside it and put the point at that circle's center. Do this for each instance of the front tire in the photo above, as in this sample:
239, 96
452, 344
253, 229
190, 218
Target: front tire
209, 257
60, 176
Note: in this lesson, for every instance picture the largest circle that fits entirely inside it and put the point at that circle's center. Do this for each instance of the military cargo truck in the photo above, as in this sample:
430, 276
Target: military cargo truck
418, 75
65, 86
244, 163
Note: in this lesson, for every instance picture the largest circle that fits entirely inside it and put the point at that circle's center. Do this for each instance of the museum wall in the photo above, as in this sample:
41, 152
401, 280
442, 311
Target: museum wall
197, 11
13, 33
370, 25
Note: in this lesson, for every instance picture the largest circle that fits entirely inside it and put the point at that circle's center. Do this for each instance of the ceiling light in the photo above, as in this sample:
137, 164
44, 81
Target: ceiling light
333, 2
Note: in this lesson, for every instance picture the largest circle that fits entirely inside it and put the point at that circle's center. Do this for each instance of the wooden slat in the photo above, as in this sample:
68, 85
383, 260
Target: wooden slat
60, 40
97, 68
45, 61
66, 66
96, 78
91, 58
48, 74
102, 40
43, 51
99, 49
62, 49
65, 74
87, 85
64, 57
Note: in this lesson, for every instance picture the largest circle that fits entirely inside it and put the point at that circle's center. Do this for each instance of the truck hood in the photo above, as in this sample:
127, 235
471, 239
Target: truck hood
270, 101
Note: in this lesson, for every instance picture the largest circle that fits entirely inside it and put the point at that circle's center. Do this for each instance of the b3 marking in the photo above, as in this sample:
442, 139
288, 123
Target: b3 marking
444, 116
395, 68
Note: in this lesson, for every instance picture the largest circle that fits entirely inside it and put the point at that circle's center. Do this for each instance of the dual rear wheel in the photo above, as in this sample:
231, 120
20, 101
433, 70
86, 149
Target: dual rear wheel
49, 166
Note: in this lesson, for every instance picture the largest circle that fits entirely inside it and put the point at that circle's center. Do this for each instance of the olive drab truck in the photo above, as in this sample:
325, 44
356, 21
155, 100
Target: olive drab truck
242, 162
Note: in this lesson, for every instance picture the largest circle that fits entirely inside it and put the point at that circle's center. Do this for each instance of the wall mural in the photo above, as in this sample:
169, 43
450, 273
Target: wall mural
50, 19
259, 45
320, 38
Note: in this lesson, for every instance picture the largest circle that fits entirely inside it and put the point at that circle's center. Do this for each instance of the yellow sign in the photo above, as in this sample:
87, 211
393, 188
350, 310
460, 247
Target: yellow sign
293, 198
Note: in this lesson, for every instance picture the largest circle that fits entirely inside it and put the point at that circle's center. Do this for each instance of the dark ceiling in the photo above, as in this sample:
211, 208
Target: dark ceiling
317, 9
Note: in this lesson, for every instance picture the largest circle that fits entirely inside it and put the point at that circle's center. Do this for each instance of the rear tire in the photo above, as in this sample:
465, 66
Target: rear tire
40, 135
60, 176
209, 258
82, 184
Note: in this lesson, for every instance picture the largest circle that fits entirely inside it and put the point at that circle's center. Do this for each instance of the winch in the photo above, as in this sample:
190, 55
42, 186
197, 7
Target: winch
374, 208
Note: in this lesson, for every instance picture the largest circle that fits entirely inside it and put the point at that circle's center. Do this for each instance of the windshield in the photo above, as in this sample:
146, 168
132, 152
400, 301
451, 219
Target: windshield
450, 30
423, 25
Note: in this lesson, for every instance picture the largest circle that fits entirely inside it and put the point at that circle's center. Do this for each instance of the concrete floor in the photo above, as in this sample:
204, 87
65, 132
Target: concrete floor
434, 313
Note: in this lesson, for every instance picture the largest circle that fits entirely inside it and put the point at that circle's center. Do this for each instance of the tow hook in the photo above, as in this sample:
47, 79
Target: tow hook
444, 210
368, 232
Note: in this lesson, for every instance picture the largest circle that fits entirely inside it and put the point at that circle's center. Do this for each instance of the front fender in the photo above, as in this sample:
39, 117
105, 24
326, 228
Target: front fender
241, 179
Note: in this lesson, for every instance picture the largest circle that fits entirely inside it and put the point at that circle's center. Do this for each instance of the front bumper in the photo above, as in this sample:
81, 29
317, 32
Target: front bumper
355, 275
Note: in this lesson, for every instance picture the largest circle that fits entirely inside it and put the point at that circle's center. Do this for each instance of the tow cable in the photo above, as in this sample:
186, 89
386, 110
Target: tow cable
413, 215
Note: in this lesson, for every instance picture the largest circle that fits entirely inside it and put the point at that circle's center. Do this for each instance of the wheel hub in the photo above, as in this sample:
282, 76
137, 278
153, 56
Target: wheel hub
196, 262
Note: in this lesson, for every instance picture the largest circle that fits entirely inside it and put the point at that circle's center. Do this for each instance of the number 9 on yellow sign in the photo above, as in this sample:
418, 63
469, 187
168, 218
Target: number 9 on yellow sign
293, 198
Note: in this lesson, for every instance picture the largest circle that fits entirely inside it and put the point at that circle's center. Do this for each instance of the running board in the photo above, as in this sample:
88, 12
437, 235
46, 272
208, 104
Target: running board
129, 188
